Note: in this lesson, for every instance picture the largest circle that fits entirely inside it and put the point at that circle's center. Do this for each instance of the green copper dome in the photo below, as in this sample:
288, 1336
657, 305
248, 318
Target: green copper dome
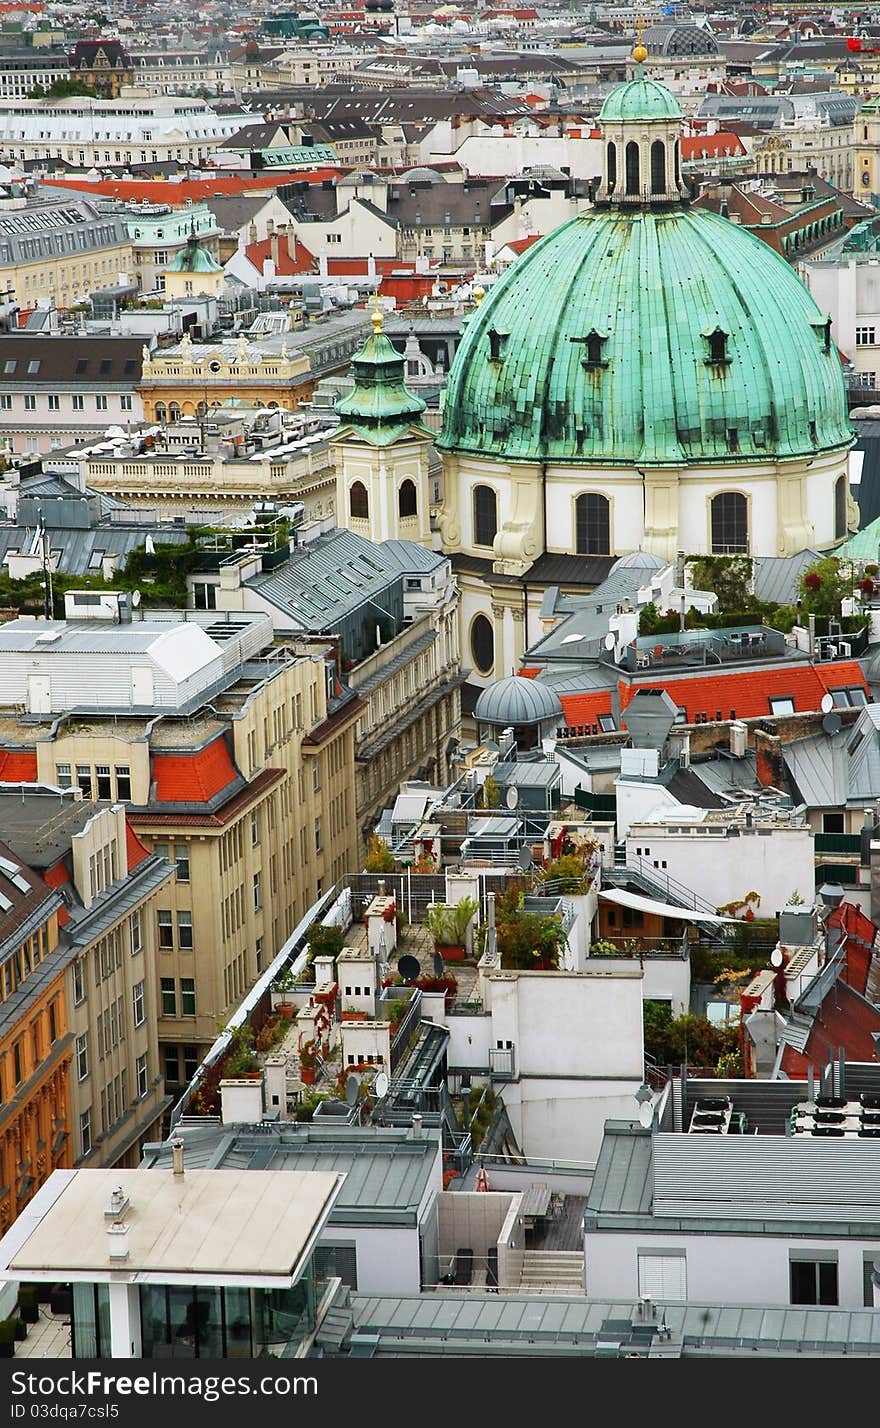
640, 99
194, 259
381, 408
632, 336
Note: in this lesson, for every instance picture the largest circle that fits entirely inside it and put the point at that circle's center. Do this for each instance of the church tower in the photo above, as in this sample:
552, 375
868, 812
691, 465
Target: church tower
381, 449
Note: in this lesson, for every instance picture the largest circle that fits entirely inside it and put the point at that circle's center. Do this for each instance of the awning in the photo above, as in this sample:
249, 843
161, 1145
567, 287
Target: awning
659, 909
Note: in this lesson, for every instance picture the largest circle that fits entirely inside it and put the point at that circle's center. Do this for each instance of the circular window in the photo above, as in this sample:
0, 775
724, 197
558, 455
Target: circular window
483, 644
866, 179
214, 366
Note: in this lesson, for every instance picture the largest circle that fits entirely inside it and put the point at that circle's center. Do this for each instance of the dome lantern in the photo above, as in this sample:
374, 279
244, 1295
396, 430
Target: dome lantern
641, 129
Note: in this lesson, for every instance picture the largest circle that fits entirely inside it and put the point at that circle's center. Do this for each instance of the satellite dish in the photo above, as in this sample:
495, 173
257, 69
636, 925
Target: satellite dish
352, 1090
511, 798
776, 958
135, 598
438, 964
381, 1084
610, 641
832, 723
827, 704
409, 968
524, 857
646, 1114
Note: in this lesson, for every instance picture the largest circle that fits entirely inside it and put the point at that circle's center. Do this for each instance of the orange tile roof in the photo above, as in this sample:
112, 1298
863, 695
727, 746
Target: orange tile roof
583, 709
176, 194
136, 851
714, 145
193, 778
528, 673
18, 766
749, 691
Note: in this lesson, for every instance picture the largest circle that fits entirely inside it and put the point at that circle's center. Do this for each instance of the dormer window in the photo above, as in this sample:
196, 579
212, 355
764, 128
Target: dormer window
593, 342
717, 342
497, 344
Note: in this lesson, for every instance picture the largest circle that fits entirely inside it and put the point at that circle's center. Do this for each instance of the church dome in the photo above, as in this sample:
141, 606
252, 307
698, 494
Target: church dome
517, 701
649, 334
640, 99
638, 560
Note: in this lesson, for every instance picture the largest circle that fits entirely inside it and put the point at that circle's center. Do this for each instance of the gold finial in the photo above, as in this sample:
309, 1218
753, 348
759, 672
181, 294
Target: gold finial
639, 54
377, 318
479, 294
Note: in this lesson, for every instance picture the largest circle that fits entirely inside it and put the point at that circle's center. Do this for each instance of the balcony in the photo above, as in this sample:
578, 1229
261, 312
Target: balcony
699, 648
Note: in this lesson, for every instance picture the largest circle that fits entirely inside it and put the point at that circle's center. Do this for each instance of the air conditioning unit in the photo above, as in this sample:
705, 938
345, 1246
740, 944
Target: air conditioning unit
739, 738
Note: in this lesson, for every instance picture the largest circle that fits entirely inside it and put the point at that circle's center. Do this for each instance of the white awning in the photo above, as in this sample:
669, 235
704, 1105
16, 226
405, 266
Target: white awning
659, 909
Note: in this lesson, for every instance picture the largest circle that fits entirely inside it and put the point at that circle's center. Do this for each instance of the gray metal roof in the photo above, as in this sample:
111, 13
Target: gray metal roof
622, 1182
838, 769
766, 1177
387, 1172
329, 579
516, 700
508, 1325
776, 577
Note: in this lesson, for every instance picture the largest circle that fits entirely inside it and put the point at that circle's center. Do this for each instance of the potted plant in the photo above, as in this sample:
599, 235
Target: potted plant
352, 1014
308, 1062
448, 925
28, 1304
7, 1338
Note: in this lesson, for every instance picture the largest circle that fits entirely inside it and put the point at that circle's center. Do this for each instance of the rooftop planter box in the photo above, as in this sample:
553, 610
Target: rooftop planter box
449, 924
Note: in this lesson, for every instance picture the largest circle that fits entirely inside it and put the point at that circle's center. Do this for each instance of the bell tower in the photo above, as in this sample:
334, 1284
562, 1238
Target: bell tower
381, 449
641, 132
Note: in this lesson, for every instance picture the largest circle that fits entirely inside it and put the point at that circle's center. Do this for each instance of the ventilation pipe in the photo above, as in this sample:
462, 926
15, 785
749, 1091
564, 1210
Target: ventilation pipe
177, 1156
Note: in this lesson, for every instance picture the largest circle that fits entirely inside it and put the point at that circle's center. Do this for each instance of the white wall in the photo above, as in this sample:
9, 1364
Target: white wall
387, 1256
637, 801
732, 1269
720, 869
665, 979
558, 1119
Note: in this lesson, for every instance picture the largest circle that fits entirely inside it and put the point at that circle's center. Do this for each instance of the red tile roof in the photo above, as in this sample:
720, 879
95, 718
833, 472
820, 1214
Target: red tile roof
57, 877
861, 934
193, 778
176, 194
749, 691
845, 1019
528, 673
519, 245
287, 264
581, 709
711, 145
18, 766
136, 851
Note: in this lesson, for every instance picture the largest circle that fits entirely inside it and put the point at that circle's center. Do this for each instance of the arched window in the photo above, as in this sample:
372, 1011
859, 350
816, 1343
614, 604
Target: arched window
730, 524
658, 166
485, 515
161, 411
359, 502
632, 167
611, 166
840, 508
174, 411
202, 409
407, 501
483, 645
592, 524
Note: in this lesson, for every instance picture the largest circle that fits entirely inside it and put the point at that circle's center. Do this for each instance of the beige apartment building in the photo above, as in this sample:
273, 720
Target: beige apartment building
55, 253
110, 887
237, 766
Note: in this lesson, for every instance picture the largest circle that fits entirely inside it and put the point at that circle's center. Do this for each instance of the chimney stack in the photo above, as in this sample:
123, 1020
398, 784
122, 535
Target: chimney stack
177, 1156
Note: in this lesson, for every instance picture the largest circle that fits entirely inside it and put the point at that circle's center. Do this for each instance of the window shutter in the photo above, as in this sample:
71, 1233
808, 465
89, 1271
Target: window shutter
663, 1276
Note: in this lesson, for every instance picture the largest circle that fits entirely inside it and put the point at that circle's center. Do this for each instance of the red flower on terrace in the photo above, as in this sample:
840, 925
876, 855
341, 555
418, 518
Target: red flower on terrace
867, 586
812, 580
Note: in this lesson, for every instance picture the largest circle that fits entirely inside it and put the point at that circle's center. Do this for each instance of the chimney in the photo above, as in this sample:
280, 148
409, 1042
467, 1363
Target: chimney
177, 1156
275, 249
117, 1242
768, 759
417, 1126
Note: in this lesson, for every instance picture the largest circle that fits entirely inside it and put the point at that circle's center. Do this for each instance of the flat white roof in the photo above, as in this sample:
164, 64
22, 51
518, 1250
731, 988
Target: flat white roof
221, 1225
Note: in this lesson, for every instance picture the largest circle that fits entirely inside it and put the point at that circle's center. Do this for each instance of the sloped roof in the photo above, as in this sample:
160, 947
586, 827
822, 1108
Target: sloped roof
193, 777
750, 690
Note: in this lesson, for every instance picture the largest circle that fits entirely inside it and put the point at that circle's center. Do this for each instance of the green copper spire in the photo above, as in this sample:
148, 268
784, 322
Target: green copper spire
381, 409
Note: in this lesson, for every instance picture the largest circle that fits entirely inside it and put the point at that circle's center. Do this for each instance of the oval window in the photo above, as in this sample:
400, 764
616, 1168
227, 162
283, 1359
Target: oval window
483, 644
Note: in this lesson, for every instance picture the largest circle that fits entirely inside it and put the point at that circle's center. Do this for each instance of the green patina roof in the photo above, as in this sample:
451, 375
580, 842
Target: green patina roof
194, 259
640, 99
651, 286
864, 545
381, 407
